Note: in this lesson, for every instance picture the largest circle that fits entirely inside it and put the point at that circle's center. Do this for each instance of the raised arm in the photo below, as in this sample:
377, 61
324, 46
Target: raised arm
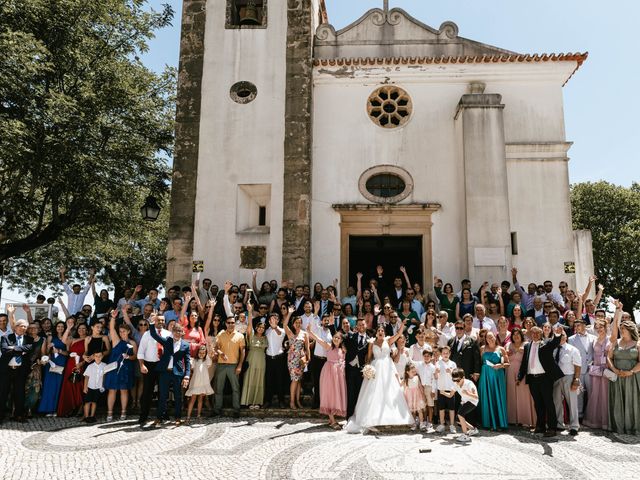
227, 305
64, 308
249, 321
596, 301
359, 285
437, 288
194, 293
286, 323
185, 304
616, 323
587, 290
254, 275
27, 310
406, 277
93, 287
376, 297
67, 331
518, 287
11, 313
126, 318
92, 275
207, 323
313, 336
399, 333
113, 334
501, 302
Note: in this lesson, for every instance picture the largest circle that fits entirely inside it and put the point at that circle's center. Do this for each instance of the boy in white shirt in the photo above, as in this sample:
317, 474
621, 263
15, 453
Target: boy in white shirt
426, 370
445, 384
468, 402
93, 387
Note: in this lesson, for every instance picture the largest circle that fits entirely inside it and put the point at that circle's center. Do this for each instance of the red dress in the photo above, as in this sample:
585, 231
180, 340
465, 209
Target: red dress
196, 338
71, 393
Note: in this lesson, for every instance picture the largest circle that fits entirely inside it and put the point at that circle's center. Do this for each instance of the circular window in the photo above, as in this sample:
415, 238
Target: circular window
389, 106
386, 184
243, 92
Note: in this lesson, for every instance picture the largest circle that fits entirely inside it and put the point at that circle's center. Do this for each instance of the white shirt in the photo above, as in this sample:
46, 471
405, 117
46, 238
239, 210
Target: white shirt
469, 386
75, 301
176, 347
274, 340
360, 337
445, 381
487, 323
448, 332
426, 371
307, 319
323, 334
415, 351
95, 372
148, 348
569, 358
534, 367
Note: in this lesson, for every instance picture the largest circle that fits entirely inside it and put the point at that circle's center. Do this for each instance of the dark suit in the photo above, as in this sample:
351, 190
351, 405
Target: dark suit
171, 377
15, 377
541, 386
468, 358
353, 374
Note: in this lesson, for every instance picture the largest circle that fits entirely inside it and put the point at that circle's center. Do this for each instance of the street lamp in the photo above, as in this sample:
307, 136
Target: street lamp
150, 210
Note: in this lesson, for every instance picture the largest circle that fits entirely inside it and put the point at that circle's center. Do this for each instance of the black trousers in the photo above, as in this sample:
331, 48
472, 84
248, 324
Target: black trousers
354, 383
316, 367
277, 378
13, 379
541, 388
149, 381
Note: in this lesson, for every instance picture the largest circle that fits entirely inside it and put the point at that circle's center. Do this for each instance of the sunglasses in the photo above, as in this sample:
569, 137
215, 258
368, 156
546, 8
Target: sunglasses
231, 323
459, 328
143, 325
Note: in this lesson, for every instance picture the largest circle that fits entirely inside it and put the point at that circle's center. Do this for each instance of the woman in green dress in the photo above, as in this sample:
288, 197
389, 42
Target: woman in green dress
624, 360
448, 299
253, 385
413, 321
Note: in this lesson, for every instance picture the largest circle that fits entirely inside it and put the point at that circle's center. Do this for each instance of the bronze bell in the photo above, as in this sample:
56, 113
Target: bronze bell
249, 14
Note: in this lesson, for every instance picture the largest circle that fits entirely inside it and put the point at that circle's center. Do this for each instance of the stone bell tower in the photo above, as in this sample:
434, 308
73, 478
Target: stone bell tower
242, 168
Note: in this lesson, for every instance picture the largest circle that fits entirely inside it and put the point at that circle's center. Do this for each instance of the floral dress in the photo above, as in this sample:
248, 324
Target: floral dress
294, 358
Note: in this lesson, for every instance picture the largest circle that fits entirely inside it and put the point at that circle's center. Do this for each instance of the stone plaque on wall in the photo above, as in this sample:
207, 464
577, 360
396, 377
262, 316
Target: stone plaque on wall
253, 257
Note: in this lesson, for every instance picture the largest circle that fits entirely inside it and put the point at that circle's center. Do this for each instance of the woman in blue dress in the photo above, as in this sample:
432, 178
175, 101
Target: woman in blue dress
121, 378
492, 388
466, 305
57, 352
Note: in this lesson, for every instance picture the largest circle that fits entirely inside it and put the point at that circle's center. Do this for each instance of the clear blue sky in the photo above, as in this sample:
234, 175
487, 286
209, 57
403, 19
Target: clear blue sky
601, 102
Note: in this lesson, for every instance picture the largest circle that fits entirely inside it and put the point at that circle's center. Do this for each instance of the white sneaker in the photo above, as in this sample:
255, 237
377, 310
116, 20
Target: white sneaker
109, 418
463, 438
440, 428
423, 426
123, 417
413, 427
452, 428
472, 432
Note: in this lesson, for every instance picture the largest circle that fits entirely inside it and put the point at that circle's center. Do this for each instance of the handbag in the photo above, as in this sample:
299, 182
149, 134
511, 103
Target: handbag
610, 374
75, 376
596, 370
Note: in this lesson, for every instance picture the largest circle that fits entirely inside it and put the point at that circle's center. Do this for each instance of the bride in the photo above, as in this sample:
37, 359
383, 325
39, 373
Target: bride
381, 400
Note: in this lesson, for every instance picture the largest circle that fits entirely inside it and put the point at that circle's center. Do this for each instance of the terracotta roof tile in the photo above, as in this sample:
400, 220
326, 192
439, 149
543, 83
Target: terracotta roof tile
502, 58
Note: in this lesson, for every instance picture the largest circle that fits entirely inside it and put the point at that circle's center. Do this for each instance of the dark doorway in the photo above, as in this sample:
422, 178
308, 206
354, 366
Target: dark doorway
365, 253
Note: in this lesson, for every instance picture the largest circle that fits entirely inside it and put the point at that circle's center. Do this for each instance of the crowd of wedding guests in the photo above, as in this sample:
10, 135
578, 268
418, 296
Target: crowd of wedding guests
536, 357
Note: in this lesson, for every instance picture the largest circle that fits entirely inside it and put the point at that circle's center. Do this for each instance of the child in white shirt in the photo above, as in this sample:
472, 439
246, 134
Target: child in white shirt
469, 400
426, 370
93, 387
445, 384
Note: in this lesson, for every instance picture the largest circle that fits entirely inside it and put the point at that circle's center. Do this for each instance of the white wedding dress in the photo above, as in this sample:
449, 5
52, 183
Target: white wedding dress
381, 400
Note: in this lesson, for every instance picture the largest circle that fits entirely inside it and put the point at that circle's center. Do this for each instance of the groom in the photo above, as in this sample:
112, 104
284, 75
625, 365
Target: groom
357, 347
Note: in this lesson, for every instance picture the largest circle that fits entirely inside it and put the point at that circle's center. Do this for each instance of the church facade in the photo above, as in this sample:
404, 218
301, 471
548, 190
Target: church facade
311, 154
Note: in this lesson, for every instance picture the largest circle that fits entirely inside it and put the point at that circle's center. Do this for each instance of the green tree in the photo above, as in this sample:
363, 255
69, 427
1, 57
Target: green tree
85, 127
132, 253
612, 213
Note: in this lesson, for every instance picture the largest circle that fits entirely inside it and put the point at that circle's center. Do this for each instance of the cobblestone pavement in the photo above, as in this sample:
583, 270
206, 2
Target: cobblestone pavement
305, 449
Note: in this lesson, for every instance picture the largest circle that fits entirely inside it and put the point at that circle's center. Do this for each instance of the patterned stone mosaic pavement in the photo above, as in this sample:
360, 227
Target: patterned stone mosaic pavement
303, 449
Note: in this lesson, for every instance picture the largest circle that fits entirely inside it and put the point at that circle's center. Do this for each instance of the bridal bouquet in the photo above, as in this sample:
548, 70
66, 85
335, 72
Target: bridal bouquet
369, 372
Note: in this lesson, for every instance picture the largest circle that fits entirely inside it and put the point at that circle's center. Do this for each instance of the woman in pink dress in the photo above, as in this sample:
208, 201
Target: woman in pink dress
503, 336
333, 387
597, 412
520, 408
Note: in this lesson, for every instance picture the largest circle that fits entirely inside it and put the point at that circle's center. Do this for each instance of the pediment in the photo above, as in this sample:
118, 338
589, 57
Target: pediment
395, 33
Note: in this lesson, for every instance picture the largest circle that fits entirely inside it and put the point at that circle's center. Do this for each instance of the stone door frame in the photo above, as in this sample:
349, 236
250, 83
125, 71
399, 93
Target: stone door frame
384, 219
